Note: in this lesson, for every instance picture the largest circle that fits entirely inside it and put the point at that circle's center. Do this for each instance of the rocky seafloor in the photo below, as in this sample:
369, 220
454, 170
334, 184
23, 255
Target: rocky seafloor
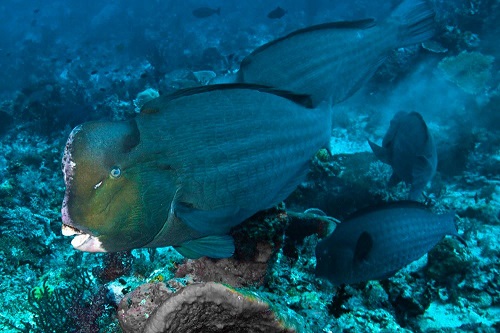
47, 286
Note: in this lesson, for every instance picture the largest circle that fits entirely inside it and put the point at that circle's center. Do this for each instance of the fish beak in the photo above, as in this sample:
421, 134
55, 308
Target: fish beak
82, 241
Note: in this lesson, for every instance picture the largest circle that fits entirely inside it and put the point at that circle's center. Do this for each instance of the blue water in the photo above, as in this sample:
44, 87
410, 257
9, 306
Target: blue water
67, 62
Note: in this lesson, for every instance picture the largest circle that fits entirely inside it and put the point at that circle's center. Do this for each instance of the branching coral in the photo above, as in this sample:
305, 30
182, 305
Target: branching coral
49, 306
70, 308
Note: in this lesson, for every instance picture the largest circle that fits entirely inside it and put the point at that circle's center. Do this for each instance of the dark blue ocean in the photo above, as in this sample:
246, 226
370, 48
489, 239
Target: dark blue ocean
224, 140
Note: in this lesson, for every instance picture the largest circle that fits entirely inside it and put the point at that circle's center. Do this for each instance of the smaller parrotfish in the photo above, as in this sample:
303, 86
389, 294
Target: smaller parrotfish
276, 13
375, 243
204, 12
408, 147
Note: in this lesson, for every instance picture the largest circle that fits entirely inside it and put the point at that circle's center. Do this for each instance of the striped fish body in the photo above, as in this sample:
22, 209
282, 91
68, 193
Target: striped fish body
241, 148
375, 244
188, 168
332, 61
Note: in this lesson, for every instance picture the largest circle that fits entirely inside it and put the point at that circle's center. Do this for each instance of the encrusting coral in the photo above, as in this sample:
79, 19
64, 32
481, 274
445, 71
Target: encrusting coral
205, 307
471, 71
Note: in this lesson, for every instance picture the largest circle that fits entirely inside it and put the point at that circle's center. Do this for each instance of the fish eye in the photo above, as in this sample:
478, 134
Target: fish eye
115, 172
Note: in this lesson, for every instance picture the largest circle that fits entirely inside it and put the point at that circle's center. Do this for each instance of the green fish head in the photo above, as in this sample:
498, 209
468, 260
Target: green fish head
104, 205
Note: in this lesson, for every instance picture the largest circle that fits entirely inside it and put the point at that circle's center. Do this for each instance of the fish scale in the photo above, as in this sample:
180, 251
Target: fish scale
331, 61
191, 165
291, 149
329, 57
409, 148
398, 234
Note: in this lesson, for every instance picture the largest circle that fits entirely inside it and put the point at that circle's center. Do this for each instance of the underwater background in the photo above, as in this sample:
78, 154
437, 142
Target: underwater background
67, 62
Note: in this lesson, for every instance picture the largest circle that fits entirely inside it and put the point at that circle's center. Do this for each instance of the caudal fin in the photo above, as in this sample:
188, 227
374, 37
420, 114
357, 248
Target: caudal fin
416, 21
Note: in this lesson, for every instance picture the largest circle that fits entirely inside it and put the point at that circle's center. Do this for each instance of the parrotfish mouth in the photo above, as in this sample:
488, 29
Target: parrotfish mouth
82, 241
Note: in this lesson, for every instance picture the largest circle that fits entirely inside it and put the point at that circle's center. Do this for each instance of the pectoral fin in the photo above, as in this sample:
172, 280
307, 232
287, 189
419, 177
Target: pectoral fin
218, 246
380, 152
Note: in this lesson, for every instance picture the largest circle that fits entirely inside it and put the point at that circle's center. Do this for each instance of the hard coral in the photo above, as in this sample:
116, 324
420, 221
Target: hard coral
115, 265
449, 261
137, 306
211, 308
471, 71
231, 271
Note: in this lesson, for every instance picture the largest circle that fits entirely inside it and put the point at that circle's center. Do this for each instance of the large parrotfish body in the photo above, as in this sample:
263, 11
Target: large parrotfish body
331, 61
188, 168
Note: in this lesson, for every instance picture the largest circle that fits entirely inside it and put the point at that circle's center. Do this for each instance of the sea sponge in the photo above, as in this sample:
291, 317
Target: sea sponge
471, 71
206, 307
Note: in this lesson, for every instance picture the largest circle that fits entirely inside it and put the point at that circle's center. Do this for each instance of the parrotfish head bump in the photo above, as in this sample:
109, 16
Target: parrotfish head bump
102, 204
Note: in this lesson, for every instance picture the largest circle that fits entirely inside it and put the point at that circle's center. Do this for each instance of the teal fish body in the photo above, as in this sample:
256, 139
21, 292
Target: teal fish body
332, 61
409, 148
375, 243
201, 161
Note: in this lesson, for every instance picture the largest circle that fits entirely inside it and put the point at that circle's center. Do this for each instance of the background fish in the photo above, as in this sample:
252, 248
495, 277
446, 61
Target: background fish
188, 168
331, 61
204, 12
375, 243
276, 13
408, 147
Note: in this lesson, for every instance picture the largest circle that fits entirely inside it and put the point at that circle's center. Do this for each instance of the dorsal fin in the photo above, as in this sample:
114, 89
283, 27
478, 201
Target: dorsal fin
386, 205
358, 24
155, 104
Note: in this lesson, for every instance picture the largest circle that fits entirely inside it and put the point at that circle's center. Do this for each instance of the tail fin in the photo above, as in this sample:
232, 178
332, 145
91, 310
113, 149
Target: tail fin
217, 11
416, 21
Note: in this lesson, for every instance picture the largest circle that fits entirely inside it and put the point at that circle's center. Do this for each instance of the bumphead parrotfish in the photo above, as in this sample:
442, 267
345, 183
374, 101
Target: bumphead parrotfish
375, 243
331, 61
408, 147
189, 167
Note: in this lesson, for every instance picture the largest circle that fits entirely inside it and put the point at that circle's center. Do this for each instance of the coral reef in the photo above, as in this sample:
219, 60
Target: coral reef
54, 80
